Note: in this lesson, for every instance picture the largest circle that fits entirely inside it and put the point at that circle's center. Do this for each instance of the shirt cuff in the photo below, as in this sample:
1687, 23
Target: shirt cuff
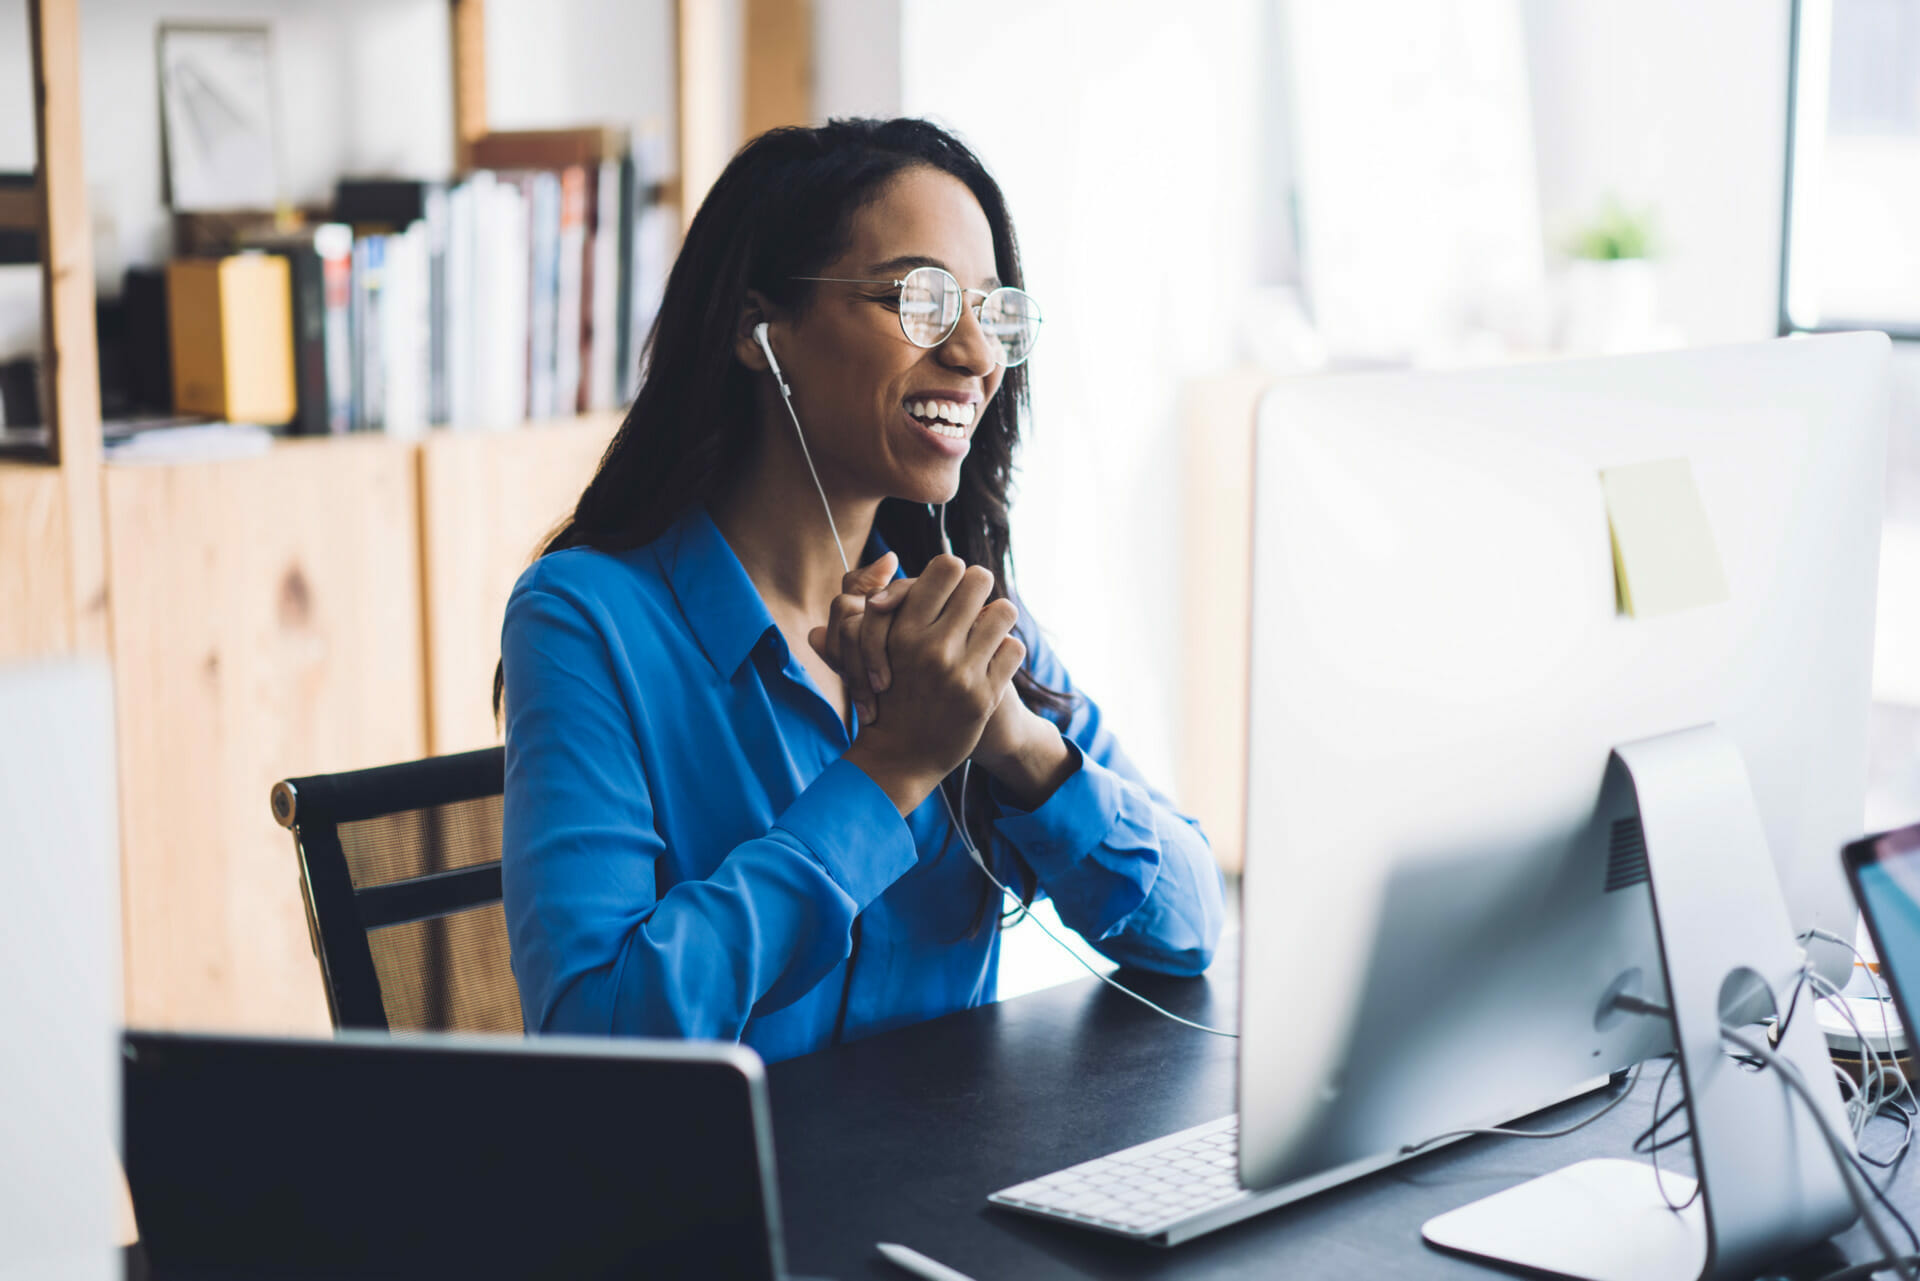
1073, 821
846, 821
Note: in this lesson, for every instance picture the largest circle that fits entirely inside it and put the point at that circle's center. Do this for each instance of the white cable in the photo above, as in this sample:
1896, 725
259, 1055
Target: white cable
981, 863
966, 771
1868, 1098
1826, 994
1884, 997
786, 398
1874, 1095
1843, 1158
1633, 1079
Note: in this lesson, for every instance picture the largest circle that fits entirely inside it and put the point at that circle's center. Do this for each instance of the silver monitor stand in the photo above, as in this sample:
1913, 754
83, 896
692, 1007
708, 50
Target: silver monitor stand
1769, 1185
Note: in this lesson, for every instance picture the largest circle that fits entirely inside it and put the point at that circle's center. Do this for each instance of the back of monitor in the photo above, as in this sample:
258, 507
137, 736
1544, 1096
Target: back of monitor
1439, 674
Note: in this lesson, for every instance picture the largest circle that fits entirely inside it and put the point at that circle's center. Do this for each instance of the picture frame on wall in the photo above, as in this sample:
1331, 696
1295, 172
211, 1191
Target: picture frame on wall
217, 117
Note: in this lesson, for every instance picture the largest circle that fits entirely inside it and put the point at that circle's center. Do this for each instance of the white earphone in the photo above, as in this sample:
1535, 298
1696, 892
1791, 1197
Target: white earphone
760, 336
966, 768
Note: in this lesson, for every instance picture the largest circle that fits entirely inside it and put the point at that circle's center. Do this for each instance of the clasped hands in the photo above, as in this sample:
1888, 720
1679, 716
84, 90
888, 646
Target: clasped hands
929, 663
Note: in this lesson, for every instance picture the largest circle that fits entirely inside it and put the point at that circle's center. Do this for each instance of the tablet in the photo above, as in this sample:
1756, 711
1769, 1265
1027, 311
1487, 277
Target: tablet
1885, 873
449, 1156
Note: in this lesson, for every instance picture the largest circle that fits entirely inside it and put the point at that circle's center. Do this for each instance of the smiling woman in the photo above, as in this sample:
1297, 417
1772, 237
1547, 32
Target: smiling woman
722, 743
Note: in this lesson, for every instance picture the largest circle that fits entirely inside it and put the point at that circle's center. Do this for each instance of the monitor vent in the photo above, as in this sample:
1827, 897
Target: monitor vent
1626, 854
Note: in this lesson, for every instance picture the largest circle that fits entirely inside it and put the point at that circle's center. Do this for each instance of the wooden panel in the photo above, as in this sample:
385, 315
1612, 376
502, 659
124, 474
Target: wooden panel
469, 77
487, 502
778, 80
73, 372
267, 624
700, 74
35, 618
1218, 417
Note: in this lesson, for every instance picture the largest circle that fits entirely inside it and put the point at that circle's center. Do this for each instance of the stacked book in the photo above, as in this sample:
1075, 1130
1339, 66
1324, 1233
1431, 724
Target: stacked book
524, 290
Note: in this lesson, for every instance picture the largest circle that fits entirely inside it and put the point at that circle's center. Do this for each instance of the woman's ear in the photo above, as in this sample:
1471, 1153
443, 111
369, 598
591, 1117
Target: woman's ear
746, 348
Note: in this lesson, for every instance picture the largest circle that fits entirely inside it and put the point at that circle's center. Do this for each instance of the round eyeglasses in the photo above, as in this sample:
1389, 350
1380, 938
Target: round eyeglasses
930, 301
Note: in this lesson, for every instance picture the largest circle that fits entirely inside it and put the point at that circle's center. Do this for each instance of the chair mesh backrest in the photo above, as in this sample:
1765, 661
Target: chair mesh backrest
449, 972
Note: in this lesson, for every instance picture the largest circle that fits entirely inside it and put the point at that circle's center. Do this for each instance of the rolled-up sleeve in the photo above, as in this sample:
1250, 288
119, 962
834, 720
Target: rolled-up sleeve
596, 947
1125, 869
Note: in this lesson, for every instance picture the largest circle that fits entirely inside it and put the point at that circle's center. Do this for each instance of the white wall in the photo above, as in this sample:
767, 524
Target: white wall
552, 63
856, 58
1121, 131
1681, 107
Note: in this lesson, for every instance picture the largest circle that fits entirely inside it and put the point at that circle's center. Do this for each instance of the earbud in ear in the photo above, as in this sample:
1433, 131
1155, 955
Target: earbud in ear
773, 362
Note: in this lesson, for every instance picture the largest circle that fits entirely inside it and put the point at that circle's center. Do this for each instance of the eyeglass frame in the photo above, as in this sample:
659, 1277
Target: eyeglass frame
985, 294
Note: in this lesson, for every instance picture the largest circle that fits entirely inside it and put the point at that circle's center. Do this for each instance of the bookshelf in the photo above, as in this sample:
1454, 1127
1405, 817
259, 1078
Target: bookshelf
332, 604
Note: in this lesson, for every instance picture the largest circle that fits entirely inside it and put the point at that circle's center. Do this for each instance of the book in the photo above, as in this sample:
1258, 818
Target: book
230, 322
650, 255
319, 262
393, 205
19, 219
462, 319
570, 285
543, 284
500, 291
548, 148
369, 380
143, 295
336, 261
405, 324
600, 338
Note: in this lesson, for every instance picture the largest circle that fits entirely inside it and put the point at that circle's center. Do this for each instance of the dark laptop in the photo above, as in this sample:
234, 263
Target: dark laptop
449, 1156
1885, 873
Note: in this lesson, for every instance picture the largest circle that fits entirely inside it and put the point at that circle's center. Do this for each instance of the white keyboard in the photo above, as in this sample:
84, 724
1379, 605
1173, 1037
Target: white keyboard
1150, 1190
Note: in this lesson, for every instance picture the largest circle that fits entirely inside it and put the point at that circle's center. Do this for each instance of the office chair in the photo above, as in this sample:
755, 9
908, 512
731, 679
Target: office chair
400, 870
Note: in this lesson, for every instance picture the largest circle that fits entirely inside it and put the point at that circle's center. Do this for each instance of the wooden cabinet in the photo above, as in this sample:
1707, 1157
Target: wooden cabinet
487, 503
267, 623
331, 605
36, 613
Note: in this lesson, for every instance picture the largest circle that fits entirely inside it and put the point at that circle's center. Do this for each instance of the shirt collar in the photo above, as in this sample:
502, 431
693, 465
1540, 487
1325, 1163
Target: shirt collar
722, 606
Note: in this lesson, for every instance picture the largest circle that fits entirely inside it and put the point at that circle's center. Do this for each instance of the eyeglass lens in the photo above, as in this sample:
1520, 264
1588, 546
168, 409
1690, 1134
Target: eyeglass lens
930, 302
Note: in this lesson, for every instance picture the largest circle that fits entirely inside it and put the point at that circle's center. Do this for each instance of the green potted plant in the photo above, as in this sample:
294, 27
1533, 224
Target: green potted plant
1612, 291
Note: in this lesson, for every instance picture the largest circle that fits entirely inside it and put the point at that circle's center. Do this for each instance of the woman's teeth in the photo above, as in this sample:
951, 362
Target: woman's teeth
942, 417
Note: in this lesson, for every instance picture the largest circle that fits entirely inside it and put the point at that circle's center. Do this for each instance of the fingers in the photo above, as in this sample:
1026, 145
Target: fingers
969, 596
892, 596
992, 625
873, 649
930, 592
1006, 661
844, 608
847, 647
870, 578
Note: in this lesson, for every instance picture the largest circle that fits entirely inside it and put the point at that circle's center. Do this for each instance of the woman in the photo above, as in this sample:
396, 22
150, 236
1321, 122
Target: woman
722, 760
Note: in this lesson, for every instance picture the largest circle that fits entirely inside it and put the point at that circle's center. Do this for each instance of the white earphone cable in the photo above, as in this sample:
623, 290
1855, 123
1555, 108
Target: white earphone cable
966, 768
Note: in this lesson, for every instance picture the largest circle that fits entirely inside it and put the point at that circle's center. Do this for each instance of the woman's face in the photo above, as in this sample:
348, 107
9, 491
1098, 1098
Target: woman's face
870, 401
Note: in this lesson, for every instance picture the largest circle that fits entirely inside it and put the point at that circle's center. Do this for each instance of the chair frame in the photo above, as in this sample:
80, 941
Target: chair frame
339, 916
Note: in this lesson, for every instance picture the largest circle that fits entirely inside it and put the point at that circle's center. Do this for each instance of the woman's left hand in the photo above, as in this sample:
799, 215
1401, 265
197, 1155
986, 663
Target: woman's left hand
1019, 747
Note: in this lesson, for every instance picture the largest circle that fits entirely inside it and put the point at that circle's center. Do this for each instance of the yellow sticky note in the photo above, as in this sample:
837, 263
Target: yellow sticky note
1664, 554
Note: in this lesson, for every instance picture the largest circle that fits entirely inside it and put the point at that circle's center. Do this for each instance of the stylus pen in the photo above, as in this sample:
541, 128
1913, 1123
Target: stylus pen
919, 1264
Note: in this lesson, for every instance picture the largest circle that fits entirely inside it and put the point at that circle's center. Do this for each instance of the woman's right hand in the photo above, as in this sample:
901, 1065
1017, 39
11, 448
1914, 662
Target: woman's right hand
951, 658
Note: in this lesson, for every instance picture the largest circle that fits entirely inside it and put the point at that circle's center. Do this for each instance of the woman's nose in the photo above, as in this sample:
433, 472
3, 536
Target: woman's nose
968, 348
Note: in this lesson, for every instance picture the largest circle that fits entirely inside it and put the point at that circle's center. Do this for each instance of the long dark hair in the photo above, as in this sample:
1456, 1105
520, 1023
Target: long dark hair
784, 207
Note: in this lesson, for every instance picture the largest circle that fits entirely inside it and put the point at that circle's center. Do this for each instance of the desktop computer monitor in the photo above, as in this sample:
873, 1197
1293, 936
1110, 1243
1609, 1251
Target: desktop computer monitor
1434, 914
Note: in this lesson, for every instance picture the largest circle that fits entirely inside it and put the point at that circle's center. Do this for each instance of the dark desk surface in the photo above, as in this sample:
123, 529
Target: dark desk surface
901, 1137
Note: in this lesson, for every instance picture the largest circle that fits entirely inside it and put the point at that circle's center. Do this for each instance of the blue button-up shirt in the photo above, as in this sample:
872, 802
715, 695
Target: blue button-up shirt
687, 855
